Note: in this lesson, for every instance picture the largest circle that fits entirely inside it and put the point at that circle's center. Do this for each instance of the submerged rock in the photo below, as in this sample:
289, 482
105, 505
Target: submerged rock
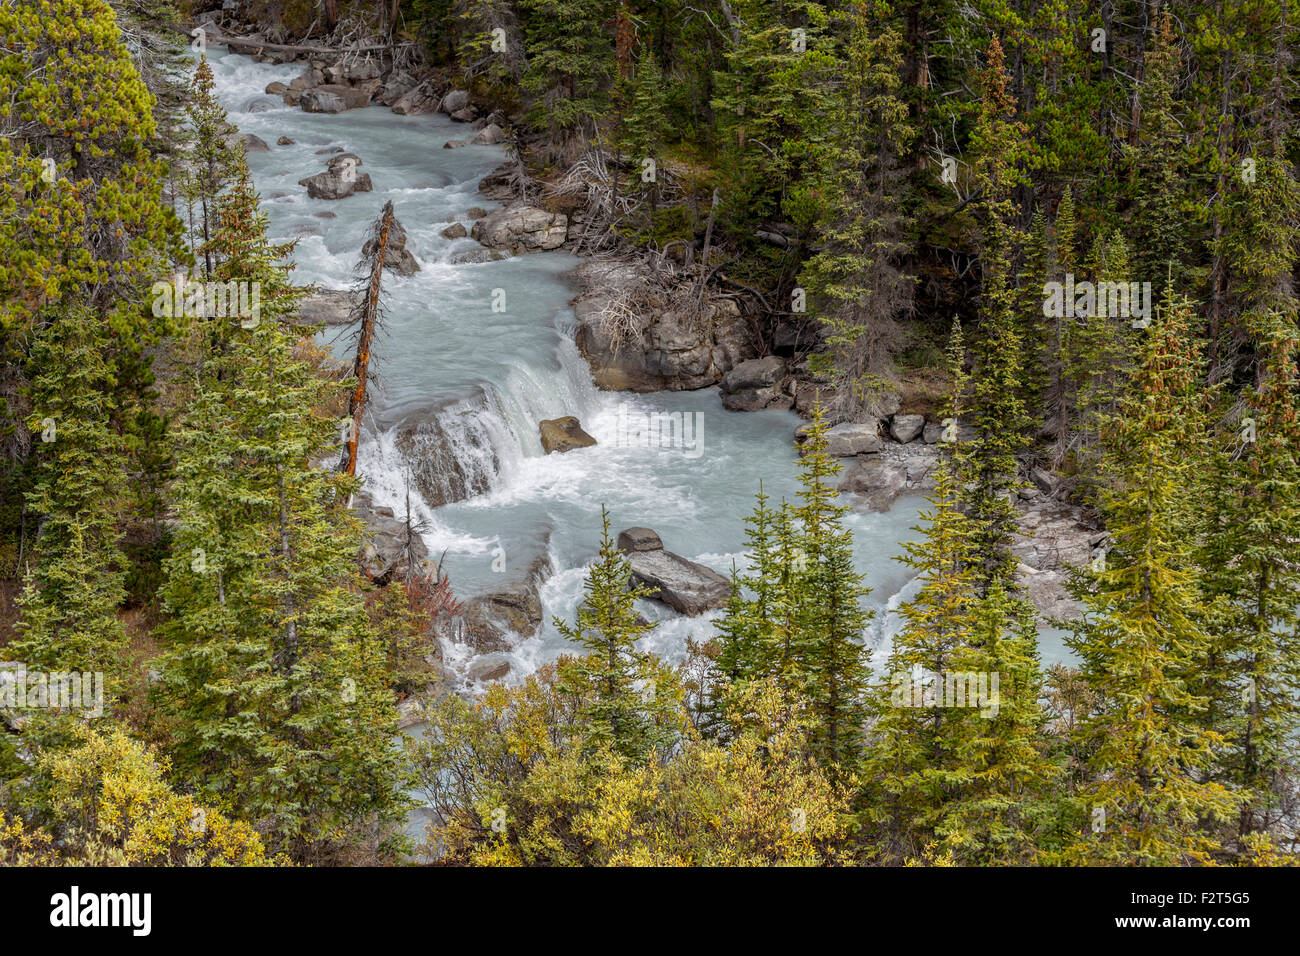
563, 434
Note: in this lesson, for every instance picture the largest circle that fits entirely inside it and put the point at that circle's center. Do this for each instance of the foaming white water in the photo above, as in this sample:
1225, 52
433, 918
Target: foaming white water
473, 355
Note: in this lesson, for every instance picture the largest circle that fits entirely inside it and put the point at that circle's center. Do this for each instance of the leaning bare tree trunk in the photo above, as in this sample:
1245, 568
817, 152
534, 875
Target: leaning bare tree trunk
361, 365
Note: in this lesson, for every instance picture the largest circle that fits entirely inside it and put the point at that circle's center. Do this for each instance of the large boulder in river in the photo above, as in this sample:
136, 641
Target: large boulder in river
492, 622
563, 434
396, 256
339, 181
684, 585
635, 340
391, 547
756, 384
522, 228
334, 98
251, 142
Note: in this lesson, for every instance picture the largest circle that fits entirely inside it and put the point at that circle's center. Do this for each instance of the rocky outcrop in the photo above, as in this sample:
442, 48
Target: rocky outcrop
396, 256
563, 434
438, 470
879, 481
340, 180
489, 135
493, 622
685, 586
636, 340
522, 228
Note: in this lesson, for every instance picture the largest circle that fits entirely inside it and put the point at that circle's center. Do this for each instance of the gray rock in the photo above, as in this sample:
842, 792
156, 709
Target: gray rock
466, 115
475, 212
454, 231
415, 102
326, 307
338, 182
396, 256
685, 586
853, 438
259, 104
486, 669
639, 539
334, 98
755, 373
453, 101
904, 428
489, 135
492, 621
1044, 480
522, 228
756, 399
390, 550
454, 144
276, 89
668, 350
877, 480
932, 433
252, 143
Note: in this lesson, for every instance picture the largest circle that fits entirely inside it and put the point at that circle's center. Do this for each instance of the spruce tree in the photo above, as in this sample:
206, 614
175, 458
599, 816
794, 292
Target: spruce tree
275, 687
1142, 640
628, 708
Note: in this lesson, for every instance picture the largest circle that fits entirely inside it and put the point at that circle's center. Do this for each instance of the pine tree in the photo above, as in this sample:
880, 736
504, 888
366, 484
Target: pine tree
630, 711
569, 70
856, 278
1141, 641
69, 608
998, 412
1249, 579
211, 161
910, 758
828, 655
276, 687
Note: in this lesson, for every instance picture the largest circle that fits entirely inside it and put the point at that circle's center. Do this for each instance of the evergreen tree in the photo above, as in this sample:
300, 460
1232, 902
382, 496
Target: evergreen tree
69, 608
1141, 641
856, 277
998, 412
631, 710
277, 691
